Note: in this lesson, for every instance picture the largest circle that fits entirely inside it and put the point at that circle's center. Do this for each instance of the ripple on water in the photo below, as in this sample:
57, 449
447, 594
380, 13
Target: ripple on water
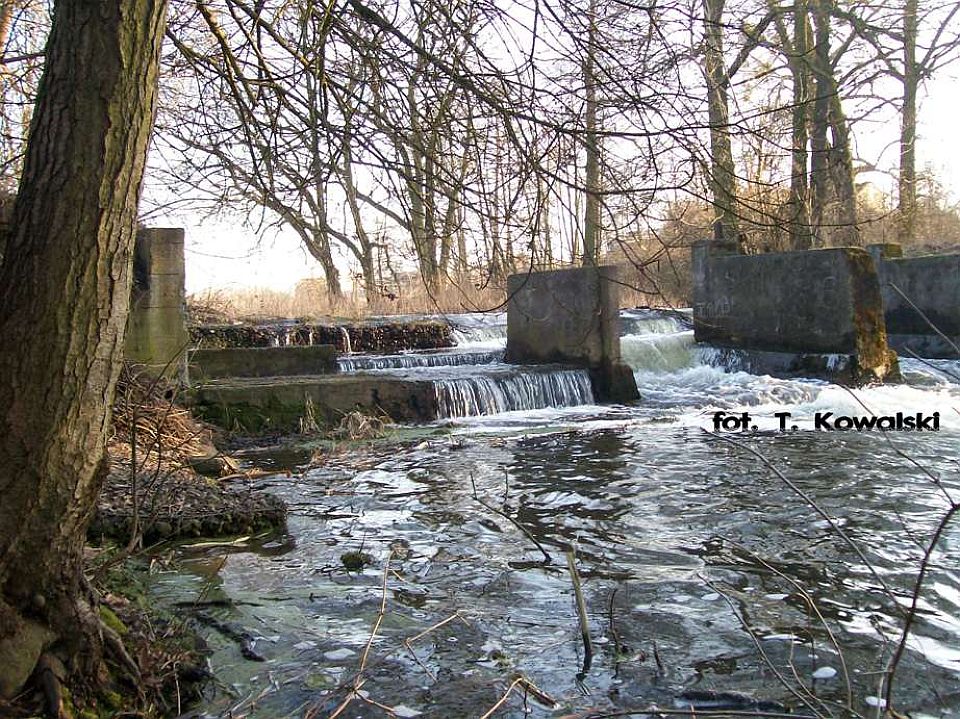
683, 542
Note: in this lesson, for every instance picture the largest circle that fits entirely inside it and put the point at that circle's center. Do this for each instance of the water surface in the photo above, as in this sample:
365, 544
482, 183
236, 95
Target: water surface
702, 569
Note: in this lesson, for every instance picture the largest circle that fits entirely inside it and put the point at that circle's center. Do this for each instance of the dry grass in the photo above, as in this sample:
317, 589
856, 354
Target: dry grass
357, 426
145, 411
659, 282
219, 306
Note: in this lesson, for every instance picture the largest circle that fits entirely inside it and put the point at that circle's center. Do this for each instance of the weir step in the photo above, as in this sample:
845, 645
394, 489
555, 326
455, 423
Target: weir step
255, 404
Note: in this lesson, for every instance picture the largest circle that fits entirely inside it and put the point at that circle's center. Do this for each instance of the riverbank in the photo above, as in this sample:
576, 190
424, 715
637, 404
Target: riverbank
173, 502
166, 482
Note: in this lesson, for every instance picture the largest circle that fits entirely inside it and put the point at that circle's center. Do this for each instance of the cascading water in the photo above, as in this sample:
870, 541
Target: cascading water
524, 389
482, 329
666, 352
654, 322
347, 346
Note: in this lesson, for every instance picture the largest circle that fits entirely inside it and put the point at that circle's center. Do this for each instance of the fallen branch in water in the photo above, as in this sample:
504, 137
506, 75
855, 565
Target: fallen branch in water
816, 508
812, 606
529, 687
581, 610
784, 682
408, 643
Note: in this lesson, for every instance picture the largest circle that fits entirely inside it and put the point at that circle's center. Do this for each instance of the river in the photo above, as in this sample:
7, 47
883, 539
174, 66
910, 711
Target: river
773, 568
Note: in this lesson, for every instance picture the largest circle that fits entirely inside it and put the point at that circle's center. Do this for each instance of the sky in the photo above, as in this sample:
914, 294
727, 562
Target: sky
223, 255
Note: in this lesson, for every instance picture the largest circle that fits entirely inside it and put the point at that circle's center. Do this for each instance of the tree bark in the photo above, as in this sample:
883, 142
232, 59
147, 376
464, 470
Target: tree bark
591, 215
819, 144
841, 167
722, 178
907, 184
797, 50
64, 294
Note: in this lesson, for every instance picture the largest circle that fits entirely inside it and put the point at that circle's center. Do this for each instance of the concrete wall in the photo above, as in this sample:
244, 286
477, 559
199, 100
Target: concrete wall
570, 317
816, 302
280, 402
156, 329
262, 362
932, 285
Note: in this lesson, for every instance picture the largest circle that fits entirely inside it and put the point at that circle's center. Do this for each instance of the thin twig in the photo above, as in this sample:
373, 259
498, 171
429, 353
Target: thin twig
769, 662
816, 610
502, 699
816, 507
900, 453
926, 319
546, 556
931, 365
914, 602
380, 615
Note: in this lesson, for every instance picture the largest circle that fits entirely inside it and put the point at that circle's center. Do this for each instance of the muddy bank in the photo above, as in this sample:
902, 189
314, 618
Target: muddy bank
366, 337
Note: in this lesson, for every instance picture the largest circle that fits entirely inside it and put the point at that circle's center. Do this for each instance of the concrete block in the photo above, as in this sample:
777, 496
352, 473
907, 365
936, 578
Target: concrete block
280, 403
164, 291
262, 362
816, 302
570, 317
921, 299
156, 328
158, 251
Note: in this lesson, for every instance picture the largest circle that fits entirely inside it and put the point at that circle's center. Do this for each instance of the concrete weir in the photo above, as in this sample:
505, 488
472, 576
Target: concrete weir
216, 363
571, 317
921, 301
816, 313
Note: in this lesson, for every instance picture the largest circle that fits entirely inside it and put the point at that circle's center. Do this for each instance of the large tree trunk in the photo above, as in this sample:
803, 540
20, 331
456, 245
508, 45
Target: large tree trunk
64, 294
907, 214
797, 50
591, 216
820, 121
723, 179
841, 168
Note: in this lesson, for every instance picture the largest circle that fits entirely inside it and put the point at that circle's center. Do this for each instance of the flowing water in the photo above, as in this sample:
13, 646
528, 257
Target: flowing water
777, 565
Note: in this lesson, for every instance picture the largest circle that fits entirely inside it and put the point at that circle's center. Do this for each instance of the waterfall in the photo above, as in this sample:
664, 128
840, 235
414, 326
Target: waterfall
658, 352
491, 328
479, 329
360, 363
347, 348
654, 322
525, 390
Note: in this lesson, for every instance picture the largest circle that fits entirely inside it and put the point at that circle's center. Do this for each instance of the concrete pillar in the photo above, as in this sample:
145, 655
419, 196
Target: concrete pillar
571, 317
157, 335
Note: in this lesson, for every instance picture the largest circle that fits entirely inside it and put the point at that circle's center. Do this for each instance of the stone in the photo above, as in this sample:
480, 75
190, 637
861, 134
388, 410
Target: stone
19, 653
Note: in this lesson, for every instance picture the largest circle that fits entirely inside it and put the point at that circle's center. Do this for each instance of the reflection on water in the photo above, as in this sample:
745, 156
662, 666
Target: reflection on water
702, 569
